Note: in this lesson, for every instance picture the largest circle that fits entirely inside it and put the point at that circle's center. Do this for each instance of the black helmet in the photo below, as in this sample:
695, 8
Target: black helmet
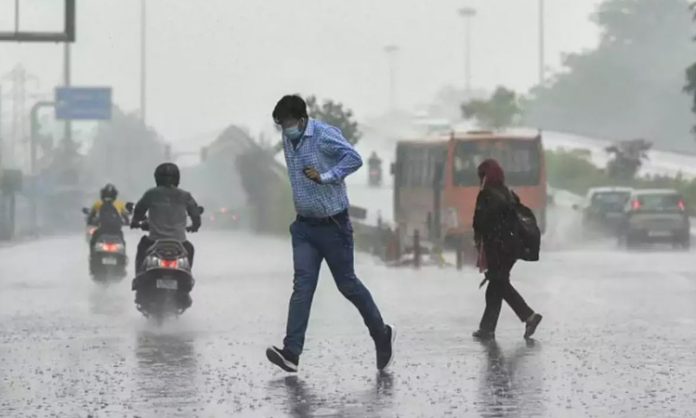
109, 192
167, 174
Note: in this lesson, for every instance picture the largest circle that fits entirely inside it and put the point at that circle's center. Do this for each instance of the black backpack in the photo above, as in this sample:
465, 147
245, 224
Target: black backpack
110, 220
526, 231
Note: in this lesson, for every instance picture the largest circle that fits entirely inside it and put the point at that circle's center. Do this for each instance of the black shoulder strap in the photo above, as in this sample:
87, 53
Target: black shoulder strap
515, 198
504, 194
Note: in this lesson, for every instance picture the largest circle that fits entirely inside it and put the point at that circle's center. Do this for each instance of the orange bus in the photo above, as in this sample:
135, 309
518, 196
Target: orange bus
436, 183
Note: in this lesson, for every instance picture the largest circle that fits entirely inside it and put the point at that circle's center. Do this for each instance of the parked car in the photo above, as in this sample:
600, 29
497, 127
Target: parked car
654, 216
603, 209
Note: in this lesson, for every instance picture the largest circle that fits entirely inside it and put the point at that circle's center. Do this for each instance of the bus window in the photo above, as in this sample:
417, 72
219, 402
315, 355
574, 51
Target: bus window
519, 159
416, 166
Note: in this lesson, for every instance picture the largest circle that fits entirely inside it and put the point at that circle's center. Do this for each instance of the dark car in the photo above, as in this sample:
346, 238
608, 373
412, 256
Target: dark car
656, 216
603, 210
225, 218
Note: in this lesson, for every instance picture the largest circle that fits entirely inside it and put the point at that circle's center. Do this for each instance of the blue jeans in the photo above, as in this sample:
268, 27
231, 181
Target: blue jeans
311, 244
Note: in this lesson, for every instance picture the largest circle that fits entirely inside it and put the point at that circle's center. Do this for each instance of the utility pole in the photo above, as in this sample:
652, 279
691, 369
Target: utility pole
391, 51
18, 77
468, 13
542, 41
143, 62
19, 80
66, 82
33, 170
2, 142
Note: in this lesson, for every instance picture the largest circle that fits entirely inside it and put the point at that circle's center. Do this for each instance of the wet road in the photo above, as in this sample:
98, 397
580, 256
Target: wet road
618, 339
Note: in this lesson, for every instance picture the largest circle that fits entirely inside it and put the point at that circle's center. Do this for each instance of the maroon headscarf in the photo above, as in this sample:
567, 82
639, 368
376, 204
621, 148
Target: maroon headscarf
490, 172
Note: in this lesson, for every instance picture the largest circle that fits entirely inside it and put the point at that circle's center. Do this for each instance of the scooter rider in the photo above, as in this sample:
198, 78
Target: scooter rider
166, 207
108, 194
374, 162
374, 165
108, 214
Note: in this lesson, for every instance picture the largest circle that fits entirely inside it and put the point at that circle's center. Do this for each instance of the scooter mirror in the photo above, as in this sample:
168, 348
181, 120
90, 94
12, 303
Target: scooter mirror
85, 211
130, 206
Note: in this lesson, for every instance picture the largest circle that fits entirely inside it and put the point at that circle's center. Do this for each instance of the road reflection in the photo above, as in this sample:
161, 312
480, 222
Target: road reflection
302, 401
503, 391
166, 370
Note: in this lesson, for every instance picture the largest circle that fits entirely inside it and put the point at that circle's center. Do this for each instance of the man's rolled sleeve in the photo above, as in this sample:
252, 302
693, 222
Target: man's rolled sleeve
349, 161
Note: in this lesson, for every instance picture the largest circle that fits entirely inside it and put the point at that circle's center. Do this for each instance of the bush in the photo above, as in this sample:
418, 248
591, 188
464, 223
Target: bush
574, 172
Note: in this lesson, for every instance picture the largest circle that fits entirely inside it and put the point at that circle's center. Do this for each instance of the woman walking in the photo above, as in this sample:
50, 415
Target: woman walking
494, 222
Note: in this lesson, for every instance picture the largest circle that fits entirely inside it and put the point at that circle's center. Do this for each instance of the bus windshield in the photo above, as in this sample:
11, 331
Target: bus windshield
520, 160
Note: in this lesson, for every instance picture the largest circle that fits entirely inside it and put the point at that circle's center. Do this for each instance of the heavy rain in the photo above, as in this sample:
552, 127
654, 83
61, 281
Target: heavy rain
173, 174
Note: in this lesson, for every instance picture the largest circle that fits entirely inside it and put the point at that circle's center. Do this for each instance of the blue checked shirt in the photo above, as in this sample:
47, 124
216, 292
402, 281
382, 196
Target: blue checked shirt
324, 148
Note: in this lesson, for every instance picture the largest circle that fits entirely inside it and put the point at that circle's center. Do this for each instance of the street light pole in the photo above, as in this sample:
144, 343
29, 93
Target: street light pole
143, 62
391, 51
33, 169
468, 13
67, 80
542, 41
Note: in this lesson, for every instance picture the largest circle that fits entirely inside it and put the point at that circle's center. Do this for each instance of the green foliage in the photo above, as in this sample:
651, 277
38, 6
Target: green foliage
336, 115
691, 86
631, 85
691, 76
498, 112
573, 171
627, 158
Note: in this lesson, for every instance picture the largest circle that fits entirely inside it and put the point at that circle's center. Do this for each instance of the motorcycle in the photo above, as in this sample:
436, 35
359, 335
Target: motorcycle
164, 281
107, 259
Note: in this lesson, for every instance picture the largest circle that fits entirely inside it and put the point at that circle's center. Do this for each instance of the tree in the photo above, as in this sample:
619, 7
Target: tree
125, 152
691, 76
500, 111
334, 114
627, 158
631, 85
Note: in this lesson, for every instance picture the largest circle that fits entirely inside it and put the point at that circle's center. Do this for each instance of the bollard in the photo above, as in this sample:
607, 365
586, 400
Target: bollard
460, 254
429, 223
397, 244
416, 249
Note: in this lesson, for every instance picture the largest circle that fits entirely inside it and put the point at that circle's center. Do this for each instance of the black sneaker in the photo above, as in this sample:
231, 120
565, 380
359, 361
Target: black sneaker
483, 335
283, 359
532, 324
385, 348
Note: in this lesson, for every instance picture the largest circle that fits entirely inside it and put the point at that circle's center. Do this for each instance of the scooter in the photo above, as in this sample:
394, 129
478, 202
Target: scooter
164, 281
107, 259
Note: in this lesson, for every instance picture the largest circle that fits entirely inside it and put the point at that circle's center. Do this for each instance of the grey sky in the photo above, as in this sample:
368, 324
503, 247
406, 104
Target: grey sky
216, 62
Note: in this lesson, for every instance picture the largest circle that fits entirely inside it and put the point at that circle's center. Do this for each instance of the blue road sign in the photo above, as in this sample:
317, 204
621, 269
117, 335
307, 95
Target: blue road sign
83, 103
